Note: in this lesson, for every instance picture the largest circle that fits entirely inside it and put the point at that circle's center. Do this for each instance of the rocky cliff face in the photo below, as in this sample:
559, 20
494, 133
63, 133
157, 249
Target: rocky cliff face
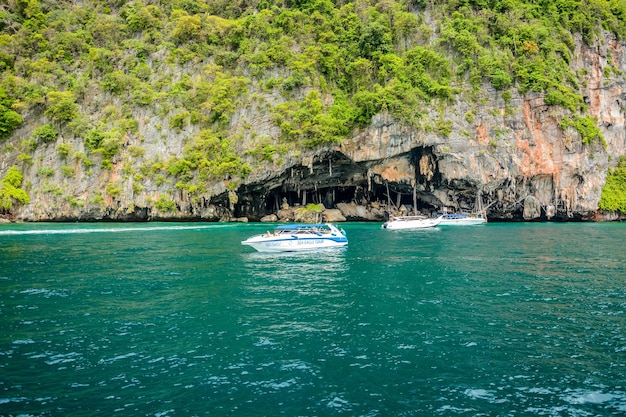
511, 159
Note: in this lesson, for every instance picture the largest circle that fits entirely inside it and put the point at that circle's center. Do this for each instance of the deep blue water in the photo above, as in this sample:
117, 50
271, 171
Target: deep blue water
182, 320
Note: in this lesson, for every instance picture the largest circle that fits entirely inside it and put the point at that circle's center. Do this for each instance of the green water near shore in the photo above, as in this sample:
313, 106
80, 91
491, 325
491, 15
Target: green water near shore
180, 320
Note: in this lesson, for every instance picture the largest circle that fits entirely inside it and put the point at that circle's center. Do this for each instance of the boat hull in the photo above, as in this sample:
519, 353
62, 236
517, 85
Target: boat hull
294, 243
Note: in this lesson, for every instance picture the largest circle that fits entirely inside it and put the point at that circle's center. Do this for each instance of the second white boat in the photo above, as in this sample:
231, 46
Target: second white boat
462, 219
411, 222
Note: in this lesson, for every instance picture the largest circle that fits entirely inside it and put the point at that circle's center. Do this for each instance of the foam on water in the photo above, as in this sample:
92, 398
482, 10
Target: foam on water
61, 230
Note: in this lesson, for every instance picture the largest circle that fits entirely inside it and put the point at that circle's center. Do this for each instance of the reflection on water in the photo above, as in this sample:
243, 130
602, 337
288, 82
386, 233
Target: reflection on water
305, 265
287, 293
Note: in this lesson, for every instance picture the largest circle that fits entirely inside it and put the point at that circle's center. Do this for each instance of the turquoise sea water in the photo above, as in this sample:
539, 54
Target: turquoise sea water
182, 320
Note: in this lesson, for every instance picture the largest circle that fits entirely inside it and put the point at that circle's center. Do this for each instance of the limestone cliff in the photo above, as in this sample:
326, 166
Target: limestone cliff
513, 159
510, 157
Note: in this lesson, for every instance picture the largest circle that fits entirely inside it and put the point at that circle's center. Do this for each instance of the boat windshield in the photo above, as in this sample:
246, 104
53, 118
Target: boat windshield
303, 228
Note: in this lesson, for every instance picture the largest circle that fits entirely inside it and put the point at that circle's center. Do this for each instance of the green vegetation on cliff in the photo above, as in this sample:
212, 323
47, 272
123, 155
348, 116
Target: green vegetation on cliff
614, 192
10, 190
86, 72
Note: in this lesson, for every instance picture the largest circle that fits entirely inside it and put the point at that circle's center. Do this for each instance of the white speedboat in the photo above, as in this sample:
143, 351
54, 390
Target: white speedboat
411, 222
298, 237
462, 219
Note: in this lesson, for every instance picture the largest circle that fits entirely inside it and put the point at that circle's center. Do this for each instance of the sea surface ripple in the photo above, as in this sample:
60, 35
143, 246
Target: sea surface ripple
182, 320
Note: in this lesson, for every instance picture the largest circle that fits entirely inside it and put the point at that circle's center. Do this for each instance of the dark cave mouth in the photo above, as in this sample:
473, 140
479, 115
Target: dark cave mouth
333, 179
261, 204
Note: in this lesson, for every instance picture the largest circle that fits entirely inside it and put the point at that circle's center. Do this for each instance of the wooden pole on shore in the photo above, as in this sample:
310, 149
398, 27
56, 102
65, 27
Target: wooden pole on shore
414, 198
388, 195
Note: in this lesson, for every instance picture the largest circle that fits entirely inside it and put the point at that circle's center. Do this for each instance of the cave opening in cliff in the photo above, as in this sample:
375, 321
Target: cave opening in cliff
328, 196
393, 197
330, 183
